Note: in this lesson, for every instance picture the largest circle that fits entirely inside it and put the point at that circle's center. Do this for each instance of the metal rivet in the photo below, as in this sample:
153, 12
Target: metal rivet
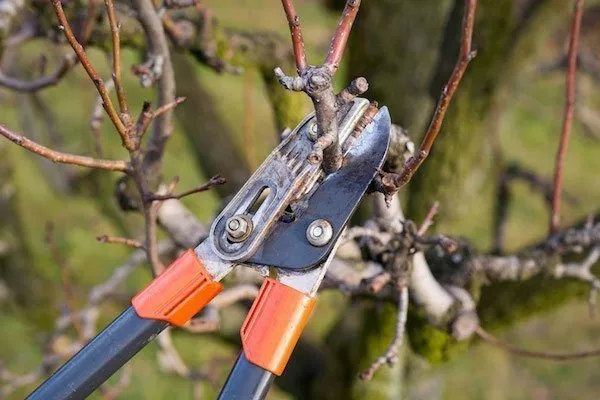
313, 131
319, 232
238, 228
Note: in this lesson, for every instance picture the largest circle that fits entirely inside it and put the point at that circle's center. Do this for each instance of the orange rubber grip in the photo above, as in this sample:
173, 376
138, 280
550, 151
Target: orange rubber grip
274, 325
179, 293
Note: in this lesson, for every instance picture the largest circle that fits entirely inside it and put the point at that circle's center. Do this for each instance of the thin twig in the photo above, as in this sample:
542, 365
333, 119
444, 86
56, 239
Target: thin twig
568, 116
390, 356
296, 33
428, 221
167, 107
534, 354
87, 65
116, 55
393, 182
215, 180
64, 158
340, 37
136, 244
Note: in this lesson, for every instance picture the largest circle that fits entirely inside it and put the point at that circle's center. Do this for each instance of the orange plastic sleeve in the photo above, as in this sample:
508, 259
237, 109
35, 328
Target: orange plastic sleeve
274, 325
179, 293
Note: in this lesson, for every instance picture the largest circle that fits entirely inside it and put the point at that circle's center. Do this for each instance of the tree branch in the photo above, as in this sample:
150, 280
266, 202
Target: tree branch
391, 182
316, 82
390, 356
568, 116
116, 56
64, 158
87, 65
41, 83
340, 37
296, 33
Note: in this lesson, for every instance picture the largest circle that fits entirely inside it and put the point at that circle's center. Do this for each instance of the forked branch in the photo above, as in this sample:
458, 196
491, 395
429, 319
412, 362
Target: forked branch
316, 82
91, 71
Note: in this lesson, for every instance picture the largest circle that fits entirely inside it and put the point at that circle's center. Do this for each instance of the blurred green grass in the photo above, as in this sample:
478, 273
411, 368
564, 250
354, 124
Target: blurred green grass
528, 135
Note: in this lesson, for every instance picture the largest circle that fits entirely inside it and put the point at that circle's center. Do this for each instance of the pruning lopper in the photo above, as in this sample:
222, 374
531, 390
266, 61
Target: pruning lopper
287, 220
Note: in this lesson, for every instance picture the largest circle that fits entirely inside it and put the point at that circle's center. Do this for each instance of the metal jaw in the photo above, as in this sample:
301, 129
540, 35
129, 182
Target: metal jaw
297, 226
285, 177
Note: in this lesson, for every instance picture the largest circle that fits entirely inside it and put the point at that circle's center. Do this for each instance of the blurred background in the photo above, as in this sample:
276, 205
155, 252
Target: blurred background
507, 115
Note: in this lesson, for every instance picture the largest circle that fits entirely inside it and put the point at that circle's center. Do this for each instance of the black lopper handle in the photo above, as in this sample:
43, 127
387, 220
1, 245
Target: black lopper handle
100, 358
246, 381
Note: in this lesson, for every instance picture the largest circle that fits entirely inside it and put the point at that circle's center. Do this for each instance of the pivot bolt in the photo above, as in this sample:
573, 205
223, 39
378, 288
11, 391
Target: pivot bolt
313, 131
319, 232
238, 228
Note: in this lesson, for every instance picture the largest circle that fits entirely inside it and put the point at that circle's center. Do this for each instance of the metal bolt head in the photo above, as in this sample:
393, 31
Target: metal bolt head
238, 228
313, 131
319, 232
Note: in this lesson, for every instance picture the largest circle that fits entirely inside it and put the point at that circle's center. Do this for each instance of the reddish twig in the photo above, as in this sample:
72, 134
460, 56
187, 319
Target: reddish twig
136, 244
568, 116
340, 38
534, 354
393, 182
64, 158
296, 32
215, 180
87, 65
